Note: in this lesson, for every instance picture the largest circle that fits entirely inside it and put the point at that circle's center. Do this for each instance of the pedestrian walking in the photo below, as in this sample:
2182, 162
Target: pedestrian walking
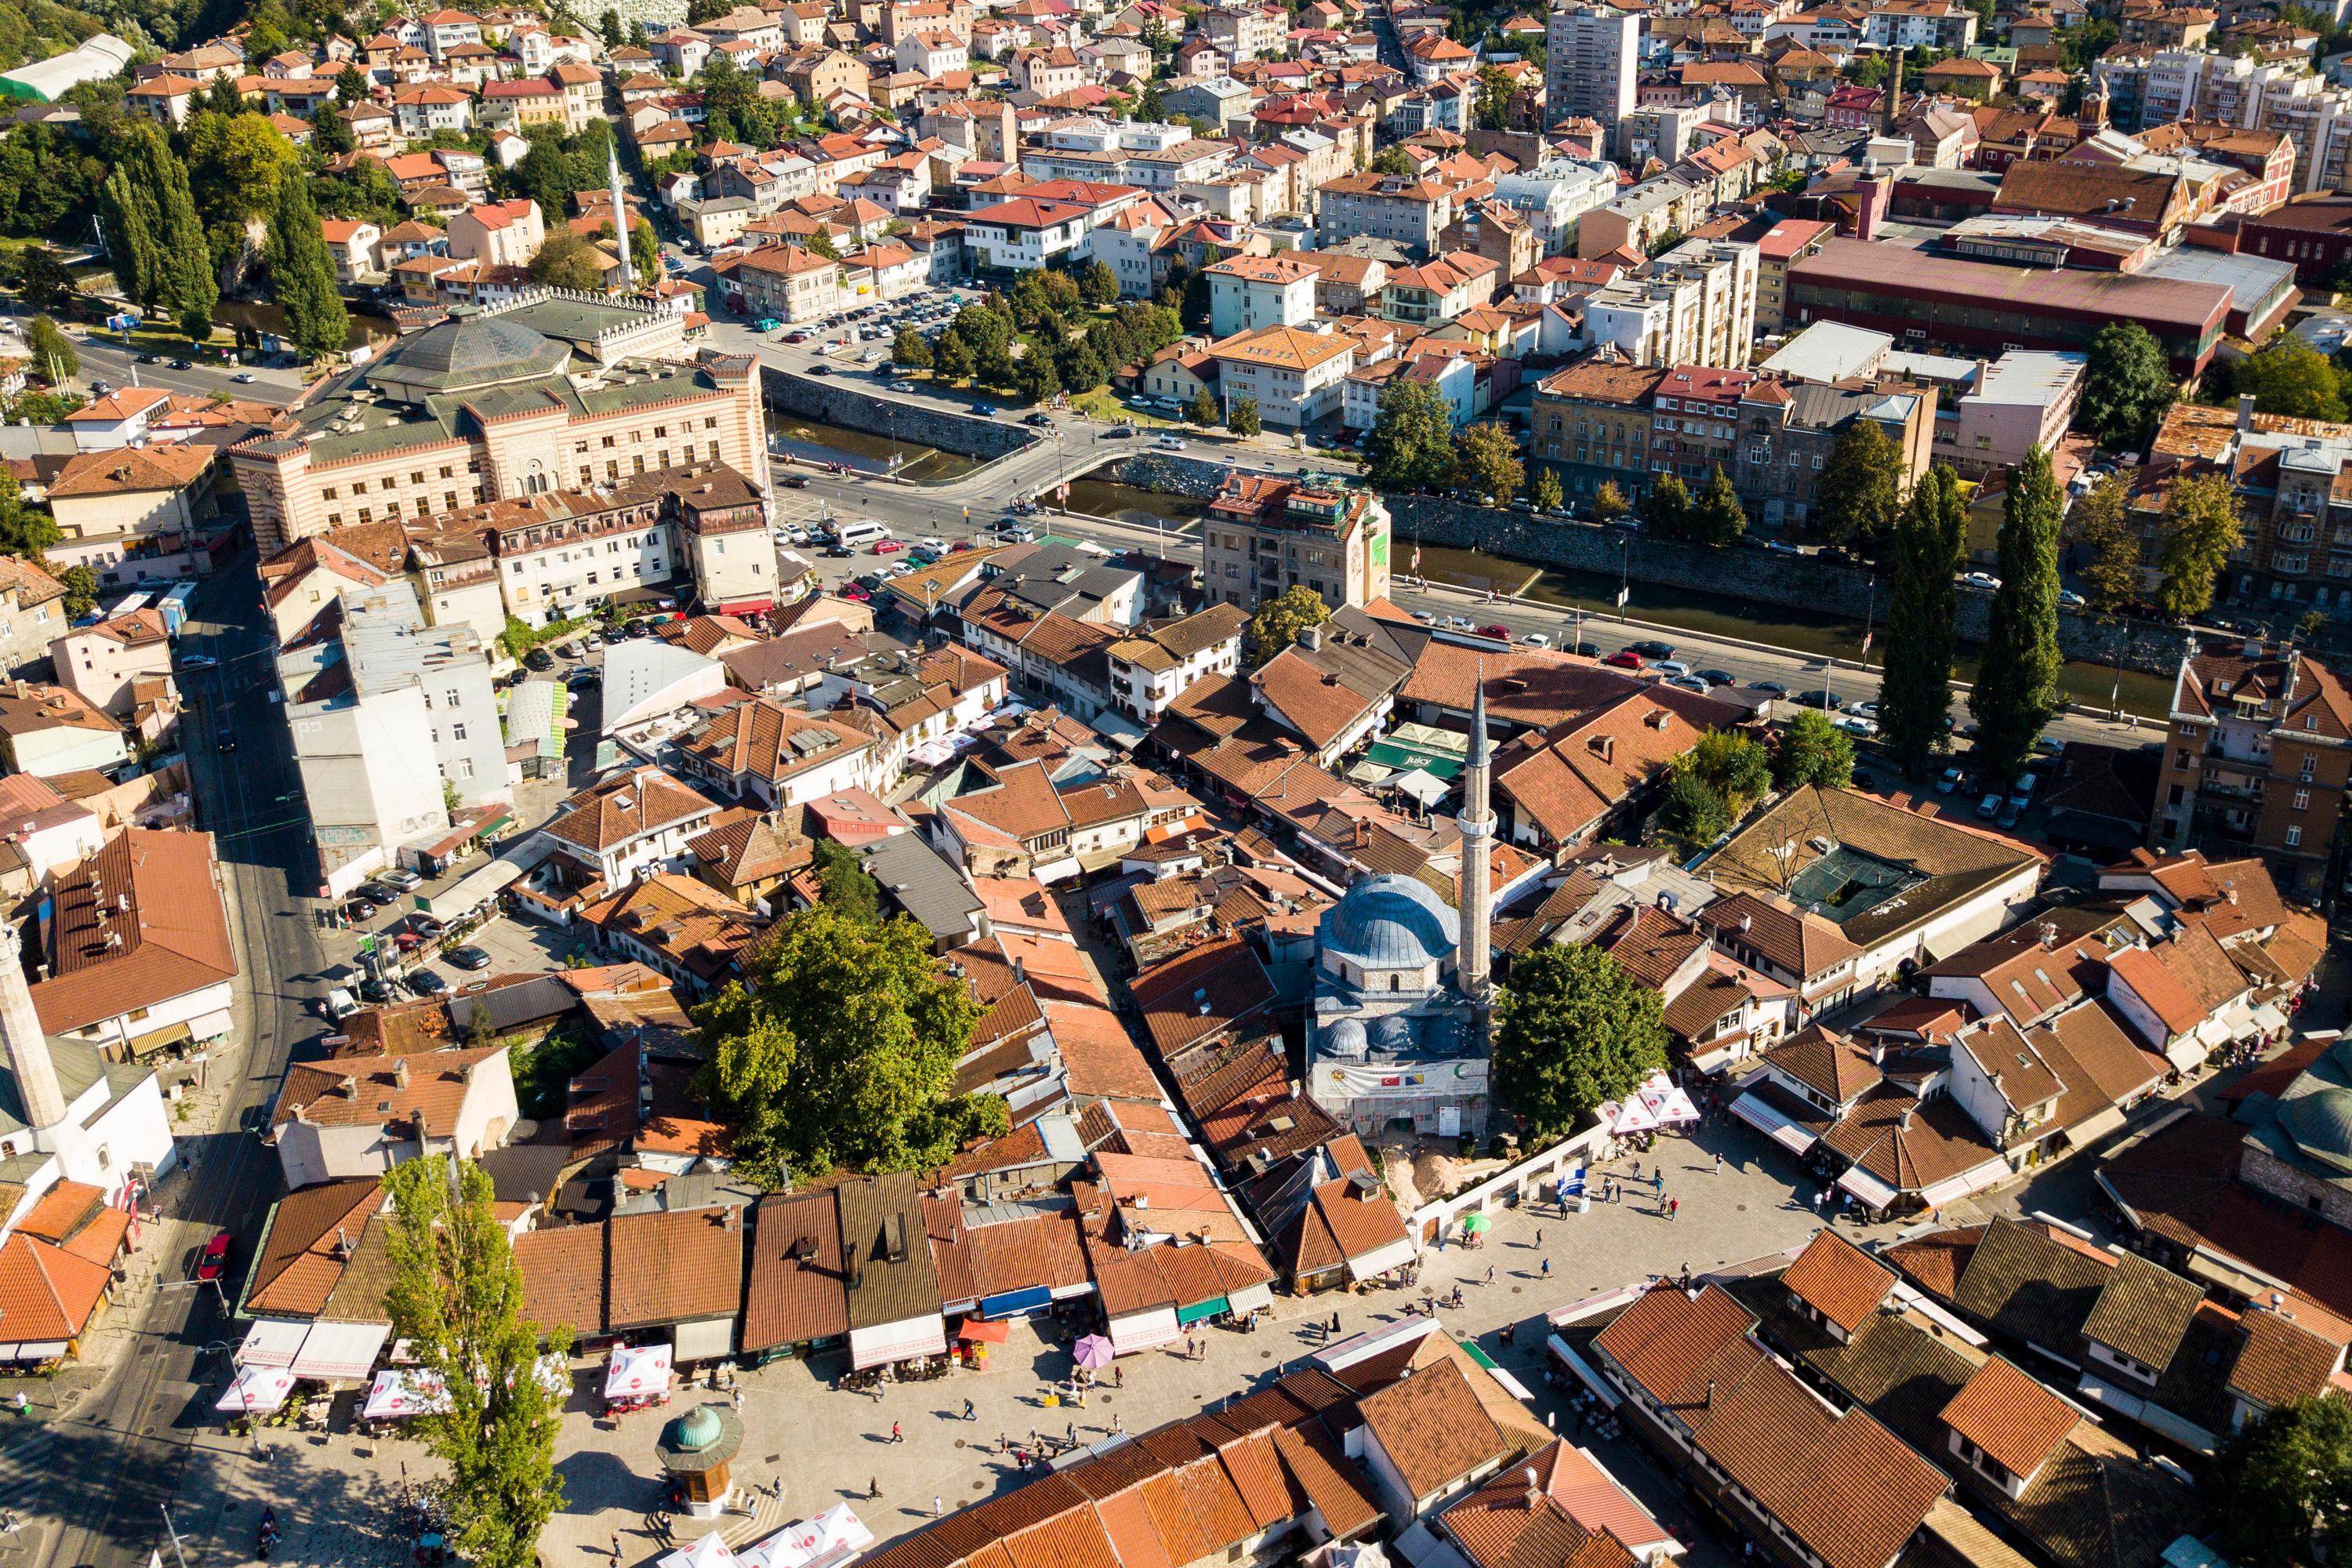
1118, 1424
1538, 1239
617, 1546
735, 1396
1658, 1180
968, 1411
1335, 1323
1119, 1377
1000, 1442
873, 1488
1674, 1210
937, 1508
1719, 1164
1073, 1434
1490, 1274
1547, 1267
897, 1435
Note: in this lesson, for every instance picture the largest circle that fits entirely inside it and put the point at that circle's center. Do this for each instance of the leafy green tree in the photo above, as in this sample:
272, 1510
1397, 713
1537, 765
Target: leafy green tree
161, 255
1812, 751
2311, 626
1279, 620
1736, 767
53, 351
2098, 522
952, 359
1861, 490
1199, 299
2127, 386
81, 594
1694, 808
1080, 366
1574, 1028
1486, 461
49, 182
1202, 410
351, 84
1391, 161
645, 252
541, 174
2016, 689
25, 531
2280, 1486
1493, 105
456, 1299
1150, 108
982, 328
567, 261
821, 243
1061, 291
330, 134
1915, 693
2200, 528
608, 27
1665, 510
1035, 377
1609, 502
849, 889
43, 280
837, 1048
1715, 517
1412, 439
1242, 418
235, 164
1098, 285
1544, 491
302, 275
912, 350
2291, 377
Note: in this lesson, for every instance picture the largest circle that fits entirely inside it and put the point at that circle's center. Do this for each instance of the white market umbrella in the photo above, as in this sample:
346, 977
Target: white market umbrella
1632, 1116
1667, 1101
705, 1551
832, 1536
637, 1371
256, 1390
398, 1394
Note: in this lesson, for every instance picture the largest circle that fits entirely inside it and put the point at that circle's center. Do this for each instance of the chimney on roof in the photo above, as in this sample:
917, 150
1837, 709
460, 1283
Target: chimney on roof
399, 1073
1710, 1394
2245, 412
1535, 1492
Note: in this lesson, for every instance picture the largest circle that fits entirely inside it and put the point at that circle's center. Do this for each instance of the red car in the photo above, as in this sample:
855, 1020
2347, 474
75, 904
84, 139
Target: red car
1624, 659
214, 1262
960, 546
1502, 632
857, 593
887, 547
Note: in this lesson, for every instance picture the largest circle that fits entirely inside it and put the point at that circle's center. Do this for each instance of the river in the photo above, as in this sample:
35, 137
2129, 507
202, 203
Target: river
1707, 615
820, 442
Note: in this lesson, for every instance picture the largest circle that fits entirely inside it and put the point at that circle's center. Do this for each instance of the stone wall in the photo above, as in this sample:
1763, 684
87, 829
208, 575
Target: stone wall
1737, 572
814, 397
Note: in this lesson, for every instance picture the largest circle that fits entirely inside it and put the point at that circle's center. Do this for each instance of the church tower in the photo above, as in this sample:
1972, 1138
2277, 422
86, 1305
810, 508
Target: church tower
27, 1047
1477, 824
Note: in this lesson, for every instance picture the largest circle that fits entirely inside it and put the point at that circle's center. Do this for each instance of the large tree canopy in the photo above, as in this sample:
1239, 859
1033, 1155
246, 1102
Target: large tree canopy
2282, 1485
2127, 386
837, 1048
2016, 689
1575, 1028
1412, 440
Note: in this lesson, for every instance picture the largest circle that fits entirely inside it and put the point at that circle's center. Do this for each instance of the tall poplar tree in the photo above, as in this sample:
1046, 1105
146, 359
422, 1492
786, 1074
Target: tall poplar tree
161, 255
1915, 693
303, 274
2017, 684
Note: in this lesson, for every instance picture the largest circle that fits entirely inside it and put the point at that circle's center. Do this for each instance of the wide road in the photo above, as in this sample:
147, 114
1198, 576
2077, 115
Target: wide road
914, 511
103, 358
112, 1463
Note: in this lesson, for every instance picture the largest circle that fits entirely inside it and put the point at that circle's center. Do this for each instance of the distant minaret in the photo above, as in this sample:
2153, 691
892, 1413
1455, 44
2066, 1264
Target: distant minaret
21, 1035
1477, 823
620, 221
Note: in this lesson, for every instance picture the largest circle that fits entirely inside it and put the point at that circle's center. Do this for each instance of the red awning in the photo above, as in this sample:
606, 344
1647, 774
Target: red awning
981, 1329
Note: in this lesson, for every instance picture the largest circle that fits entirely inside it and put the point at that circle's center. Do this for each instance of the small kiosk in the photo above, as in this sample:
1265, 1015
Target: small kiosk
697, 1448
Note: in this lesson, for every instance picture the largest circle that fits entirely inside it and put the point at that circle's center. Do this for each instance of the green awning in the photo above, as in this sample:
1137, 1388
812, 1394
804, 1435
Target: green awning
1187, 1316
1438, 765
1481, 1357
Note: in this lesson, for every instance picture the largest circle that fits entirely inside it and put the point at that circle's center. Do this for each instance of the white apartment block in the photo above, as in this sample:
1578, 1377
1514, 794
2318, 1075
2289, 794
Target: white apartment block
1297, 376
1592, 54
1247, 292
1697, 306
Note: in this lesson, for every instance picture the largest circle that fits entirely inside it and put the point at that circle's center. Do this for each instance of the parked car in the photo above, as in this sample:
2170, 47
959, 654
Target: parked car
2010, 812
1041, 420
795, 481
213, 1262
1864, 710
766, 324
379, 894
359, 911
1989, 807
1583, 649
1169, 443
1424, 617
1715, 677
468, 957
426, 982
857, 594
1858, 728
199, 661
2072, 600
539, 659
986, 410
1818, 698
225, 741
1654, 650
181, 364
1952, 780
1672, 668
1984, 580
400, 876
1768, 688
1537, 639
1501, 633
1687, 682
820, 370
1624, 659
933, 545
887, 547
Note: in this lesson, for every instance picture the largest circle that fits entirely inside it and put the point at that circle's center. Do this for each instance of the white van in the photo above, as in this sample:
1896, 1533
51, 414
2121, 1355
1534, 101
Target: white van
860, 534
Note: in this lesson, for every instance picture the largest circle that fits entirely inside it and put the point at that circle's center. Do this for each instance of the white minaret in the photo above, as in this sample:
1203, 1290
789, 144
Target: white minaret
620, 219
21, 1035
1477, 824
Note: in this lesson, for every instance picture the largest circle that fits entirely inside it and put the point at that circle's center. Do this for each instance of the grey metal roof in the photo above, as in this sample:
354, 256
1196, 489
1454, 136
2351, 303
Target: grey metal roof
468, 351
925, 884
1390, 921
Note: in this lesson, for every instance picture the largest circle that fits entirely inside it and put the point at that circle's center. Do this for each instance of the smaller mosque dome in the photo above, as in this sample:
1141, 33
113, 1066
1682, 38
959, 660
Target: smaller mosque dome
699, 1428
1345, 1038
2320, 1123
1390, 921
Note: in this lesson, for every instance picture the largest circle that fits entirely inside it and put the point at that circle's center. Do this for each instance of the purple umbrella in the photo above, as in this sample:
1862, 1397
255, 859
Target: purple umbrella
1093, 1352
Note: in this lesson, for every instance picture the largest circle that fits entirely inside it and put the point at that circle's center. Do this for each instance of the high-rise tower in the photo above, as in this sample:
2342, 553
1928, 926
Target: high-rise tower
27, 1047
1477, 824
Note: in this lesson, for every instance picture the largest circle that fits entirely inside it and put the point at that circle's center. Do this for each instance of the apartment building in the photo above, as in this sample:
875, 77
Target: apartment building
787, 282
502, 233
1698, 306
1930, 23
1413, 212
1592, 425
1263, 536
1247, 292
1786, 433
1247, 32
387, 716
2257, 757
1592, 56
1296, 375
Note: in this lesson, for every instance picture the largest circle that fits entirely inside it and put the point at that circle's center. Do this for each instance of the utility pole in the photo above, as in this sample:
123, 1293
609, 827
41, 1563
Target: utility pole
180, 1556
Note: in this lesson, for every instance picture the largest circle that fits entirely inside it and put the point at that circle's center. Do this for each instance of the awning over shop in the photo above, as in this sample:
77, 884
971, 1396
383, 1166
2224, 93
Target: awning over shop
902, 1340
1761, 1114
1250, 1297
1141, 1330
2091, 1129
2269, 1018
1872, 1193
1954, 1188
159, 1039
1016, 1303
33, 1351
472, 891
272, 1341
1199, 1312
339, 1352
981, 1331
1380, 1259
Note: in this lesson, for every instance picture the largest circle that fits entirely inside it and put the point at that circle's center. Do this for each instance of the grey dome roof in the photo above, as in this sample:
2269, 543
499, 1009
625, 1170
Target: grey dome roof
469, 349
1391, 922
2320, 1123
1345, 1038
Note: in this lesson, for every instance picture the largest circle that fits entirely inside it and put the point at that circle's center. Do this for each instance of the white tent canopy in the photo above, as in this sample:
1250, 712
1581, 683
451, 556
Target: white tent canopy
398, 1394
256, 1391
830, 1538
705, 1551
1632, 1116
1664, 1099
637, 1371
